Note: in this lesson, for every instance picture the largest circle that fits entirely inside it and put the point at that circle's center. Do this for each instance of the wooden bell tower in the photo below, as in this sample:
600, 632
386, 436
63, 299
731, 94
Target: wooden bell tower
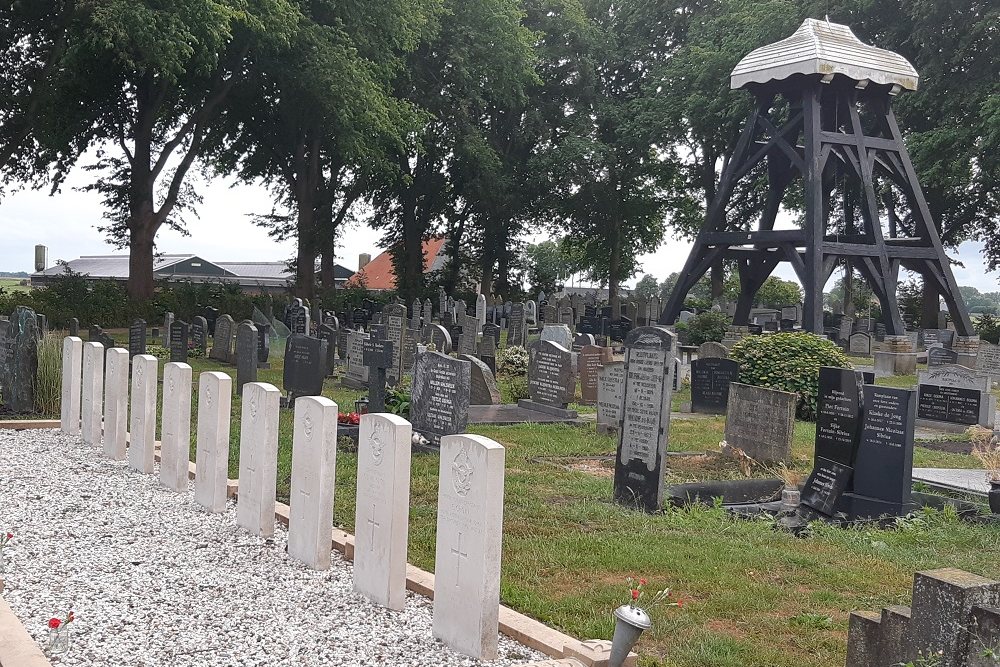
823, 131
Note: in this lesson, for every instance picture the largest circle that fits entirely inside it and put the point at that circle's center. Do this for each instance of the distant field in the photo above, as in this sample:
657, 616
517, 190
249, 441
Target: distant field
12, 285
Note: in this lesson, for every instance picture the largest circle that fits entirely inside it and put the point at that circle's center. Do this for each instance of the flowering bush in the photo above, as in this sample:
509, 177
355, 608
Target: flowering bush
512, 361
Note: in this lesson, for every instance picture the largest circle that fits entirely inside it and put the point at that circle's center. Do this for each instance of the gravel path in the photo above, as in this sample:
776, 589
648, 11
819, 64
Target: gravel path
154, 580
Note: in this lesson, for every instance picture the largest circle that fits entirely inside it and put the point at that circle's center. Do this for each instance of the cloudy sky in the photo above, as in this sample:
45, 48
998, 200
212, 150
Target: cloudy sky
67, 222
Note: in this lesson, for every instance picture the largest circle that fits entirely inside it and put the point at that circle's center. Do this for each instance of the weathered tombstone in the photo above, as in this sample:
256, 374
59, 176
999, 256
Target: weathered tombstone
860, 344
168, 320
72, 383
492, 331
357, 373
483, 388
381, 512
761, 422
211, 315
137, 338
179, 341
305, 359
530, 312
246, 354
175, 437
74, 327
548, 314
883, 468
467, 341
589, 360
314, 465
263, 345
516, 328
378, 355
712, 350
937, 355
222, 343
258, 458
142, 424
19, 360
551, 380
438, 336
215, 392
468, 548
988, 359
298, 318
955, 394
610, 396
394, 316
558, 333
93, 393
566, 316
439, 402
645, 421
481, 309
115, 402
710, 380
199, 333
329, 334
488, 353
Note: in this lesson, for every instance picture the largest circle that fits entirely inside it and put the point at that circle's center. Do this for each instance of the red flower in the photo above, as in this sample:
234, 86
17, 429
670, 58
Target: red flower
54, 623
642, 582
10, 536
680, 602
635, 594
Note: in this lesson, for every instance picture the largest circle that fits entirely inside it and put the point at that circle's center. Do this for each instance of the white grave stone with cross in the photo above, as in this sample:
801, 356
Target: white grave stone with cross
215, 404
381, 514
93, 392
258, 458
467, 556
314, 466
175, 429
115, 403
142, 426
72, 369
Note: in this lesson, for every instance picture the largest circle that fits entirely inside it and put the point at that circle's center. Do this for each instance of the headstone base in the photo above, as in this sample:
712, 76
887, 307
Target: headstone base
607, 429
351, 383
947, 427
862, 507
529, 404
895, 363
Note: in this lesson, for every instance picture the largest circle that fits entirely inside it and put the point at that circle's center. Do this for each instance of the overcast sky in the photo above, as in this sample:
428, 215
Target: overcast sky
67, 223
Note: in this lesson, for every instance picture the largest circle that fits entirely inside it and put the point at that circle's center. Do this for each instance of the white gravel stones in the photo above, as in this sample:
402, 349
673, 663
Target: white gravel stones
155, 580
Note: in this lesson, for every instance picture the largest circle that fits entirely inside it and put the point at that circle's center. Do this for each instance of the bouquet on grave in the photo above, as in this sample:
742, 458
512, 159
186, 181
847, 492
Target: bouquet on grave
636, 588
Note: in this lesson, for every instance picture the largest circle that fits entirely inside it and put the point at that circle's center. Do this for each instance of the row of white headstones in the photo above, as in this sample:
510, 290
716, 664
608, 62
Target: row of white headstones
95, 397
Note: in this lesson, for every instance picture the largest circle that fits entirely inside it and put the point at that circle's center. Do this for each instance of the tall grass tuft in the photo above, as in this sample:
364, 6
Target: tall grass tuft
48, 384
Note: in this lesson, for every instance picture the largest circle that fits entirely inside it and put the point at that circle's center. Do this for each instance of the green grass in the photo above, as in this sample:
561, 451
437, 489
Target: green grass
13, 285
754, 596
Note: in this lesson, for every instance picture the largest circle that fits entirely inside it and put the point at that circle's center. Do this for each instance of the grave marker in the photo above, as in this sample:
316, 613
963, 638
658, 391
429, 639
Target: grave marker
439, 403
215, 391
761, 422
115, 402
610, 396
550, 378
142, 424
589, 359
304, 372
955, 394
379, 357
710, 380
246, 354
137, 338
72, 383
883, 469
483, 386
199, 333
222, 343
314, 465
175, 438
258, 458
93, 393
179, 341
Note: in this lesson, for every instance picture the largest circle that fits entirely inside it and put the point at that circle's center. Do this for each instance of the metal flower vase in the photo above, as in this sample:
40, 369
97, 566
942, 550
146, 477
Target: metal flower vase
630, 623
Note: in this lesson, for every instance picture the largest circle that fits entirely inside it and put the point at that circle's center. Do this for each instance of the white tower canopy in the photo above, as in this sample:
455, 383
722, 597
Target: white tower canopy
821, 47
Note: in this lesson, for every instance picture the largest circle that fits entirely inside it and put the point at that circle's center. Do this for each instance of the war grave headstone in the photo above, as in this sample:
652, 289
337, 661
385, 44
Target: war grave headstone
116, 402
468, 545
72, 374
199, 333
483, 388
168, 320
516, 334
258, 474
956, 395
247, 340
839, 412
938, 355
589, 360
712, 350
92, 393
610, 396
761, 422
645, 419
860, 344
551, 381
378, 357
142, 415
710, 380
439, 401
179, 341
263, 345
74, 327
314, 466
305, 358
137, 338
356, 376
883, 468
175, 420
222, 342
215, 391
382, 509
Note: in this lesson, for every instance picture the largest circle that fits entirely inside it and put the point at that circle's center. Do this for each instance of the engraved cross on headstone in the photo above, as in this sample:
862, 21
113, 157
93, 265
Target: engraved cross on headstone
374, 524
459, 555
377, 355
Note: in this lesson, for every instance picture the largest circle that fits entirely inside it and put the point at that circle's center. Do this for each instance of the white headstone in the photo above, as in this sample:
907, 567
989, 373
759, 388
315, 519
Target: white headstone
314, 466
93, 392
175, 429
142, 426
381, 514
116, 403
215, 403
481, 310
258, 458
610, 393
467, 556
72, 369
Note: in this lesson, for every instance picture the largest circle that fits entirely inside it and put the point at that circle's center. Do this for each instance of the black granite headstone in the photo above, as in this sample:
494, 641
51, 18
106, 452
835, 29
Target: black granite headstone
439, 403
839, 412
883, 469
329, 334
246, 355
179, 341
304, 372
137, 338
825, 486
378, 357
710, 380
263, 345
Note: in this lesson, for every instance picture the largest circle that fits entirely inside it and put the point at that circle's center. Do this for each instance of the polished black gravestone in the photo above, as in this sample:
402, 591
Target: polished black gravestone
246, 354
941, 356
710, 380
378, 357
329, 334
439, 402
551, 382
137, 338
179, 341
304, 366
839, 411
645, 419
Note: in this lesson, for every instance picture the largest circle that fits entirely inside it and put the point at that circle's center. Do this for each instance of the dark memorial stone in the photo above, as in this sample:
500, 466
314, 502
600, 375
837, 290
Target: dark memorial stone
941, 356
222, 342
492, 331
378, 357
883, 469
304, 366
488, 353
589, 360
298, 319
105, 339
211, 317
550, 376
179, 341
408, 351
515, 325
74, 326
439, 402
137, 338
93, 333
955, 394
329, 334
19, 337
199, 333
394, 316
710, 380
838, 414
246, 355
263, 345
645, 419
827, 483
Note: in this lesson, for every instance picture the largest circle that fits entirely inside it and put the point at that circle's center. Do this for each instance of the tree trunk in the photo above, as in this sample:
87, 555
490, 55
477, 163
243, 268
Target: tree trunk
931, 305
305, 259
718, 280
488, 258
614, 276
142, 234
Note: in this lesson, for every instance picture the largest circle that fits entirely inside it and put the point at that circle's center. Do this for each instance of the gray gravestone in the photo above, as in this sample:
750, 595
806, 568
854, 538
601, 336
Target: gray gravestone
168, 319
860, 344
394, 317
246, 355
483, 387
263, 345
378, 357
305, 361
551, 380
516, 328
558, 333
19, 337
179, 341
956, 395
222, 342
199, 333
712, 350
761, 422
137, 338
610, 396
938, 355
439, 402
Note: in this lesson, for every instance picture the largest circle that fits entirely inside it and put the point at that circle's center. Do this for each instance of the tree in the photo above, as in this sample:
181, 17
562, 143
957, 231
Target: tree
550, 264
647, 287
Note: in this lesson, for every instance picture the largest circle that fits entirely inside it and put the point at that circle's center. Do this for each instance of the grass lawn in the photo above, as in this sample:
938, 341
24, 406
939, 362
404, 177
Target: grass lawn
754, 597
13, 285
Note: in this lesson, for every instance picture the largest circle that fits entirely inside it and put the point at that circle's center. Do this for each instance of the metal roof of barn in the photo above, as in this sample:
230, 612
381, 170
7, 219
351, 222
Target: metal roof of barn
822, 47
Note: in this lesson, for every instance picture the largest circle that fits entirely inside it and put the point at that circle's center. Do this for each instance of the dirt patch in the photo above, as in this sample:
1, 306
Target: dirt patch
725, 627
950, 446
598, 467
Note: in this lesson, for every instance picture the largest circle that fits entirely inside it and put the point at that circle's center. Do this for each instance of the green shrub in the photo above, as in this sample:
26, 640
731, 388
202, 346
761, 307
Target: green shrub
789, 362
988, 328
397, 401
708, 326
48, 384
512, 361
514, 388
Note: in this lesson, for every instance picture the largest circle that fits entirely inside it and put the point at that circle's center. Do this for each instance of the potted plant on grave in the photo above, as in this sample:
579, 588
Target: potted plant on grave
59, 634
986, 448
631, 620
